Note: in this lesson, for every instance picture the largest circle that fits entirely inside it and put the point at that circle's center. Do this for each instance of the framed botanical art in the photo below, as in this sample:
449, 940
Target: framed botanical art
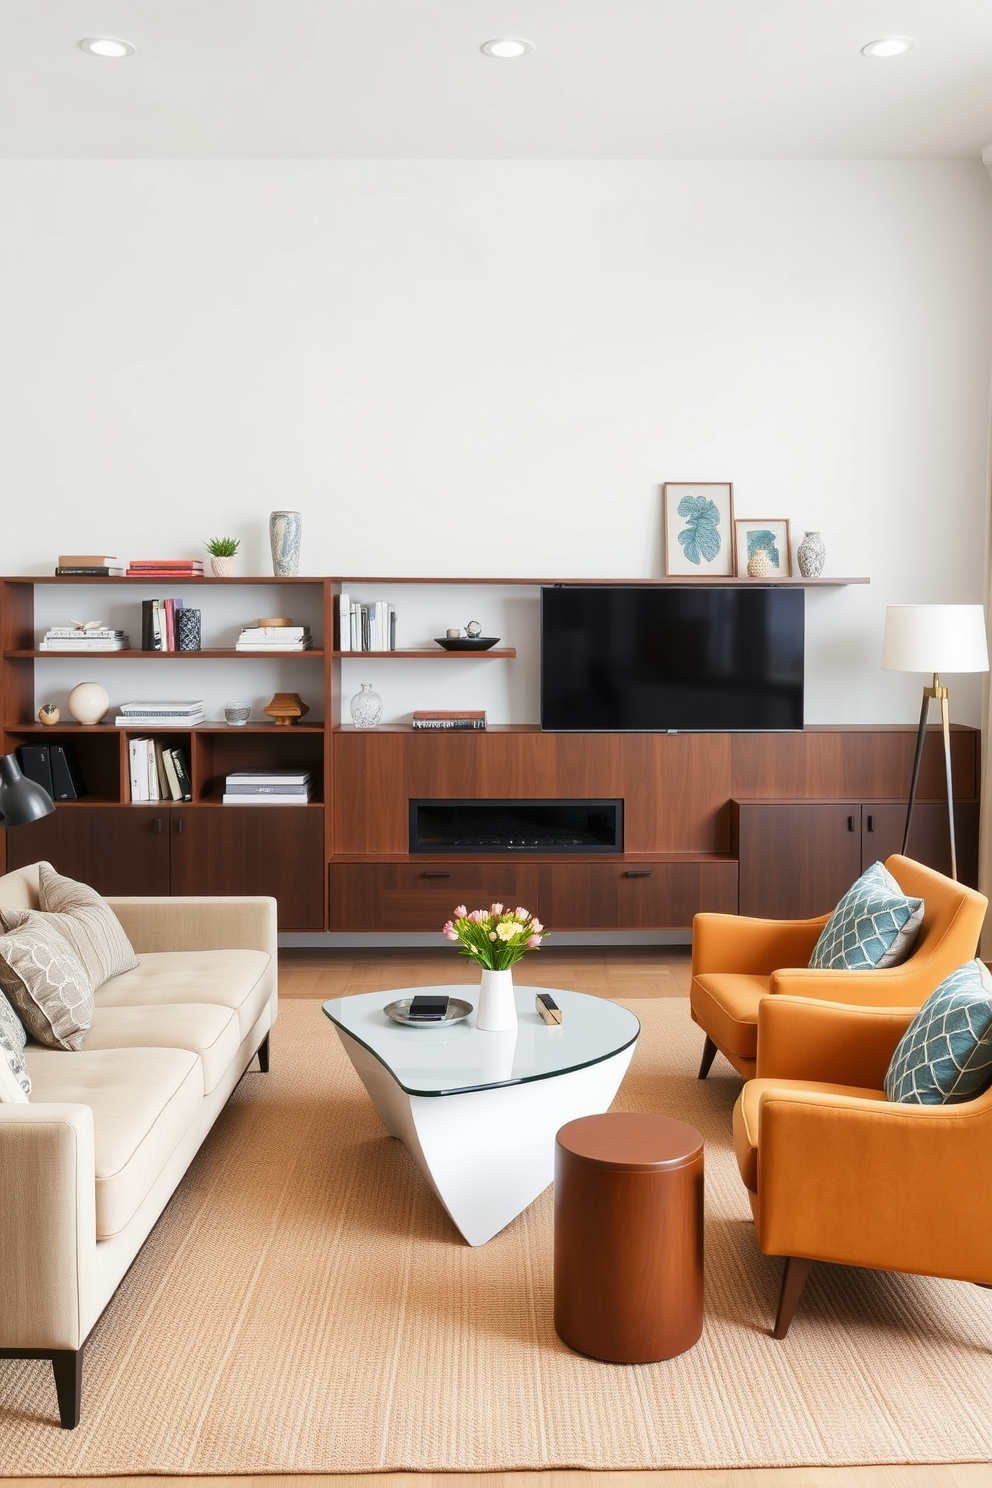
699, 528
763, 548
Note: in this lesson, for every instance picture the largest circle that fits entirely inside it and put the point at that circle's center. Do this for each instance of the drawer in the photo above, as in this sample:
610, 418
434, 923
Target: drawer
634, 896
421, 896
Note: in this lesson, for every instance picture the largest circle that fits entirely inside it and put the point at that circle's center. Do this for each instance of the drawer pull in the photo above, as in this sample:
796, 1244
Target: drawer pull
871, 824
850, 823
637, 873
157, 824
433, 873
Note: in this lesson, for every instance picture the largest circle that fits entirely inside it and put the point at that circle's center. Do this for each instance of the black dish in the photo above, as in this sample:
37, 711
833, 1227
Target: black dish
467, 643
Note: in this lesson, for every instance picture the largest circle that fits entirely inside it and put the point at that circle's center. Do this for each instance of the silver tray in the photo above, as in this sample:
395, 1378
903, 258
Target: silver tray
457, 1010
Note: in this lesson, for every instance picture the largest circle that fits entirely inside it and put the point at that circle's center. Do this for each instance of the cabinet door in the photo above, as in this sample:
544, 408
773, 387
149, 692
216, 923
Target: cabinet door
796, 857
274, 850
634, 896
115, 849
883, 823
421, 896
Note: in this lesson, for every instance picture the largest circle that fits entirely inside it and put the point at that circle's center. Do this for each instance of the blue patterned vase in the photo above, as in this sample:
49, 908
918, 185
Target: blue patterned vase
285, 532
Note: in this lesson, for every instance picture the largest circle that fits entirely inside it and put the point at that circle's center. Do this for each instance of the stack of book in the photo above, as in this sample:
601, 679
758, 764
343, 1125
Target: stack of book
267, 788
158, 624
89, 637
274, 638
439, 718
366, 627
165, 568
90, 566
158, 772
163, 714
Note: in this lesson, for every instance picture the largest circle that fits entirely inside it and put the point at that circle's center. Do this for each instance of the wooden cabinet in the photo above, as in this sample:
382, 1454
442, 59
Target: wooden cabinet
421, 896
798, 857
116, 849
634, 895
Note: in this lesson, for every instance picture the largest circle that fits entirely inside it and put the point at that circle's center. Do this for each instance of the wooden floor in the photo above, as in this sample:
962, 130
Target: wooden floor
624, 972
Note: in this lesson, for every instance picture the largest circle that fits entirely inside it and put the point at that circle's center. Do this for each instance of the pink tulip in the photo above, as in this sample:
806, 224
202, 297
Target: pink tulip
477, 916
537, 927
522, 914
496, 909
534, 944
460, 912
492, 935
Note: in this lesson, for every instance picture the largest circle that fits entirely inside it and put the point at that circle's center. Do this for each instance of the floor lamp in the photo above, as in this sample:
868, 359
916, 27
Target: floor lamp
21, 800
934, 638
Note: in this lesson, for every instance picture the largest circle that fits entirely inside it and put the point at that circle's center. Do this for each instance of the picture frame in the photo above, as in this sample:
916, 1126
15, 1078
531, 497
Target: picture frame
763, 535
699, 529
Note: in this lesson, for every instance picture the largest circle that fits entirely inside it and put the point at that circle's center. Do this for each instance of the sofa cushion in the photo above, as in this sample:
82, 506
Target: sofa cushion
230, 979
203, 1028
88, 924
11, 1024
45, 980
143, 1103
945, 1055
726, 1004
747, 1114
874, 925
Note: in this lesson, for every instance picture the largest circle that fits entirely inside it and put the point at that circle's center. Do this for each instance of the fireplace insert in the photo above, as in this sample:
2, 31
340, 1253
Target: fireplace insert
573, 826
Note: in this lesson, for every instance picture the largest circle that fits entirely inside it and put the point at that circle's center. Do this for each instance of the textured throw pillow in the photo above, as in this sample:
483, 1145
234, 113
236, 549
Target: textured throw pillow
11, 1025
88, 924
15, 1082
874, 925
45, 980
945, 1055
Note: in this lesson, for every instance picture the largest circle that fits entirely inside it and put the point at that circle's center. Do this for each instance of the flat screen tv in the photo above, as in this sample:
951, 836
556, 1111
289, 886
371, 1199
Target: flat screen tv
619, 658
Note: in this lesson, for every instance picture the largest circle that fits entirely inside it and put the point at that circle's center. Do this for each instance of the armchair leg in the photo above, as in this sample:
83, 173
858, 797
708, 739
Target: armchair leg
263, 1055
709, 1054
793, 1280
67, 1365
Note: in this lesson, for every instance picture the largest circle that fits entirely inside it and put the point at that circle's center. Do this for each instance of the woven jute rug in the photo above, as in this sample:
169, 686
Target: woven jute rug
304, 1305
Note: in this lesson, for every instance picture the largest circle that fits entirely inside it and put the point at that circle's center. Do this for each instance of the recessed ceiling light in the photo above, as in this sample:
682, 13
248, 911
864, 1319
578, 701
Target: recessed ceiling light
507, 46
105, 46
888, 46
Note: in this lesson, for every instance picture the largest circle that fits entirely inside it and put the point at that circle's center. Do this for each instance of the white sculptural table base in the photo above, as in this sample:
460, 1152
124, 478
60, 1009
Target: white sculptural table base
478, 1111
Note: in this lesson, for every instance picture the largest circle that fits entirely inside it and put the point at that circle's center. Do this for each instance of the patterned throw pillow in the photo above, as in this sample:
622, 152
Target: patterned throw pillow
88, 924
45, 981
874, 925
945, 1055
15, 1082
11, 1025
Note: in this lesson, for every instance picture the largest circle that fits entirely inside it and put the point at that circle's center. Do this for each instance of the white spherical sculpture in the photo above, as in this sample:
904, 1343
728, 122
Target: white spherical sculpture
88, 702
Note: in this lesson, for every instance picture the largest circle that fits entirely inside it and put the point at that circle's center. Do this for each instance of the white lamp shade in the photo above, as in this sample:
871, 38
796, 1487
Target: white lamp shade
935, 638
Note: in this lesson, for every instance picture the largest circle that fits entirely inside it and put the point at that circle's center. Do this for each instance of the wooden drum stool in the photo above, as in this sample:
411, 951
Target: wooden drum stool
629, 1237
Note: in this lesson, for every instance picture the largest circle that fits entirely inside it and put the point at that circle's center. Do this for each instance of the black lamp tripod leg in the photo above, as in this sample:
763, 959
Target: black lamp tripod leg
946, 728
920, 741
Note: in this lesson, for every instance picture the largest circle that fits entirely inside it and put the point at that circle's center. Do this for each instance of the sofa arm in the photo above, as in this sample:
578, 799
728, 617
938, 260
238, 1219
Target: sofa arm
903, 986
47, 1226
737, 943
803, 1038
198, 923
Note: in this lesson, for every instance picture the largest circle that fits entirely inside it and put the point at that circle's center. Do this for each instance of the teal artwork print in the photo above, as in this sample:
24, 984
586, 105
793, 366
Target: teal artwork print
762, 541
700, 538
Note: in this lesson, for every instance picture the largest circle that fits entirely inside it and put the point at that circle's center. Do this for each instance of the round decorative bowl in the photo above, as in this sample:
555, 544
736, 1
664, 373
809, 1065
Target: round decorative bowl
399, 1012
467, 643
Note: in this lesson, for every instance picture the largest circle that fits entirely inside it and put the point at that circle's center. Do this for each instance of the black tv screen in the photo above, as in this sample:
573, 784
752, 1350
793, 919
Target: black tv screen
624, 658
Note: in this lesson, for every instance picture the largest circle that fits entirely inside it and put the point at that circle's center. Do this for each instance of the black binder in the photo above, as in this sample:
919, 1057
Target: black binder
36, 765
67, 781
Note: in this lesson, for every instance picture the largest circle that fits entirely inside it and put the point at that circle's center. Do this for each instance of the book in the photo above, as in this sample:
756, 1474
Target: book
268, 777
67, 780
229, 799
89, 560
85, 571
239, 788
85, 643
158, 720
36, 764
447, 718
182, 774
137, 768
180, 565
442, 725
164, 705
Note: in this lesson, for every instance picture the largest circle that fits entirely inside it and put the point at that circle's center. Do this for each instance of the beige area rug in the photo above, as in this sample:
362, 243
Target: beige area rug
304, 1305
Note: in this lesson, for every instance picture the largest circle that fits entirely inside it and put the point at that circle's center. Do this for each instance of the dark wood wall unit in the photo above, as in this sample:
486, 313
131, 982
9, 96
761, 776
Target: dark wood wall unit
848, 763
116, 849
421, 896
675, 788
634, 896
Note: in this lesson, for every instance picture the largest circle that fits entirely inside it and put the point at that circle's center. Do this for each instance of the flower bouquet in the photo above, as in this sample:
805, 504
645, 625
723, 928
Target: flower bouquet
495, 937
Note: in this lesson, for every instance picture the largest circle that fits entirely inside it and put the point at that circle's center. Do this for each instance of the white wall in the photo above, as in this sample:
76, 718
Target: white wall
489, 368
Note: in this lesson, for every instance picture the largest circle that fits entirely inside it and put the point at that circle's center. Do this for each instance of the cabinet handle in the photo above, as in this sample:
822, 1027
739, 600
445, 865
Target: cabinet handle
157, 824
871, 824
432, 873
179, 823
637, 873
850, 823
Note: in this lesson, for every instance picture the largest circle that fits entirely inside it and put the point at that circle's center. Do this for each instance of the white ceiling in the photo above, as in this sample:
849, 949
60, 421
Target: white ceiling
635, 79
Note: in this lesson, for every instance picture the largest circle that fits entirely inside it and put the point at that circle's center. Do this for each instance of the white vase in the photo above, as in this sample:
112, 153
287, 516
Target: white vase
811, 555
285, 535
222, 568
497, 1008
366, 707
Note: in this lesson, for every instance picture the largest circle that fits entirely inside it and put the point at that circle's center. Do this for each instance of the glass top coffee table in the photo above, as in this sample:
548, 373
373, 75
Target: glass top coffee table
478, 1111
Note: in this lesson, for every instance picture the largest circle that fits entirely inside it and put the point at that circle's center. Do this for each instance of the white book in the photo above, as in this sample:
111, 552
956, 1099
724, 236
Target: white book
269, 777
164, 705
234, 800
136, 758
356, 626
154, 794
158, 720
344, 621
169, 766
273, 632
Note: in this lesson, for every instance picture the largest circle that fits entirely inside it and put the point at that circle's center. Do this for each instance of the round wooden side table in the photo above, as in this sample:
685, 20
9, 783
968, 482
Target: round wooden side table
628, 1276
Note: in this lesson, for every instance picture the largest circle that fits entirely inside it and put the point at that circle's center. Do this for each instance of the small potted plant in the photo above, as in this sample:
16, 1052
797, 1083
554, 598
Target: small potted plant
222, 551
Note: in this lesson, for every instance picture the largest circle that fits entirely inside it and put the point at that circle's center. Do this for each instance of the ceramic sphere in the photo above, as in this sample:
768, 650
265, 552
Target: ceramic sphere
88, 702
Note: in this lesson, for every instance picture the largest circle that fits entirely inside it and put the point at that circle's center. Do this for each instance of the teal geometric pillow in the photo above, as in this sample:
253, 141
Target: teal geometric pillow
874, 925
945, 1055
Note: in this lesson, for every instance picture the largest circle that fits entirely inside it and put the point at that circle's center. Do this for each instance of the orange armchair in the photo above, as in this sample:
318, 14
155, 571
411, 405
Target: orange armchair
835, 1172
737, 963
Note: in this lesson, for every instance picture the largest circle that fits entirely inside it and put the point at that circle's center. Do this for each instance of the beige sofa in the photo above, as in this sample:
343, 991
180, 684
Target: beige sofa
89, 1163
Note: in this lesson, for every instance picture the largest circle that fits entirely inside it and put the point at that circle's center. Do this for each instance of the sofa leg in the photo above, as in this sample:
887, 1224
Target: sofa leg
67, 1365
263, 1055
793, 1280
709, 1053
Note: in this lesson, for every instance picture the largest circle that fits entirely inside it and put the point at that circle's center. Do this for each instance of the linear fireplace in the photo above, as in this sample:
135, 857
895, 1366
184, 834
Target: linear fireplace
576, 826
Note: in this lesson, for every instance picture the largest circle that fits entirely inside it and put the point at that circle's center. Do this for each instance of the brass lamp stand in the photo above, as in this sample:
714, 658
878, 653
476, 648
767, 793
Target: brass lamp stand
938, 693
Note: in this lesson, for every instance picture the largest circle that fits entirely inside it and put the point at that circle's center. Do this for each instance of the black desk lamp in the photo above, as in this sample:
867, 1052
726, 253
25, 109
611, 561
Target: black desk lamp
21, 800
